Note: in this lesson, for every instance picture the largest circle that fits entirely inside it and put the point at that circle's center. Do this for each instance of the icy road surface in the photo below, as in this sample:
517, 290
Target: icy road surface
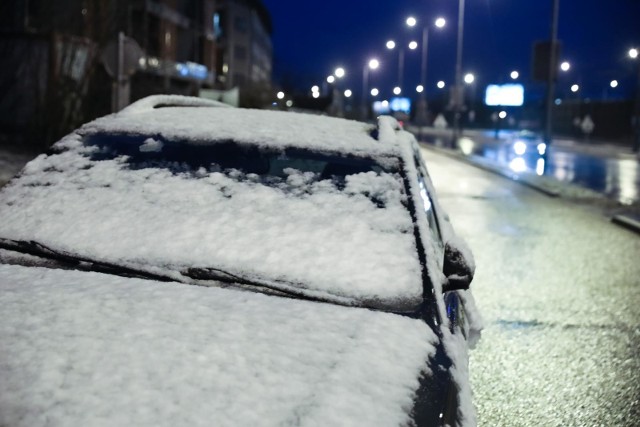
559, 288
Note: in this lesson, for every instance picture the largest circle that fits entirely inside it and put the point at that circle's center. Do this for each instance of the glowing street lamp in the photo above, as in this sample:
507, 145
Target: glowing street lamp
515, 75
575, 88
339, 72
397, 90
565, 66
469, 78
441, 84
391, 44
280, 95
348, 93
420, 89
411, 21
613, 84
331, 79
374, 92
633, 53
440, 22
413, 45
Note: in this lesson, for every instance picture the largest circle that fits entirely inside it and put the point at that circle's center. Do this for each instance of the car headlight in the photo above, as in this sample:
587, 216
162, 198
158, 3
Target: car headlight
542, 148
520, 148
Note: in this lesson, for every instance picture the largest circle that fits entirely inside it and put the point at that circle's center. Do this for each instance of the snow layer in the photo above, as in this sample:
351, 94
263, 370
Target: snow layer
330, 243
91, 349
261, 127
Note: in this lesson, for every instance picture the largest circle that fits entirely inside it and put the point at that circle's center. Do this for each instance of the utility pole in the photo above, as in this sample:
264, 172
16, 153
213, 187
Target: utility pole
551, 77
458, 92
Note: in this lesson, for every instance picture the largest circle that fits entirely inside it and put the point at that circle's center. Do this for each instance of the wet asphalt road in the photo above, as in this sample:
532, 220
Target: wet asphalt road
559, 289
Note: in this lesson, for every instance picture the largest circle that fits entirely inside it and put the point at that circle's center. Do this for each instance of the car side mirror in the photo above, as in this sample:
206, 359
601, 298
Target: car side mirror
457, 268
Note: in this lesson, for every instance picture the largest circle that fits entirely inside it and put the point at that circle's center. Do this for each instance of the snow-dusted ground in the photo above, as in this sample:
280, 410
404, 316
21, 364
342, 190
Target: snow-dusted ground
559, 292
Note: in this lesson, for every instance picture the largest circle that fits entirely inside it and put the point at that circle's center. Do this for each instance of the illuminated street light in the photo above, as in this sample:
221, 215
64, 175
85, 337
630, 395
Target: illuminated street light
315, 89
289, 103
397, 90
633, 53
316, 94
469, 78
411, 21
331, 79
565, 66
502, 114
339, 73
374, 63
441, 84
614, 83
280, 95
374, 92
391, 44
420, 89
515, 75
348, 93
413, 45
440, 22
575, 88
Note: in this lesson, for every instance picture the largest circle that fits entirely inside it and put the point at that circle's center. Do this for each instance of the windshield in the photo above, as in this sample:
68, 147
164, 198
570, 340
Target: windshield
319, 225
243, 162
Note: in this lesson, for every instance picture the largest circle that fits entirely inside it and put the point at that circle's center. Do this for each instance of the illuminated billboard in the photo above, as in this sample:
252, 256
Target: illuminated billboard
507, 95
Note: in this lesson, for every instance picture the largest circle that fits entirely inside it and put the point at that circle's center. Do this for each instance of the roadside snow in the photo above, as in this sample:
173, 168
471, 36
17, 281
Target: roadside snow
92, 349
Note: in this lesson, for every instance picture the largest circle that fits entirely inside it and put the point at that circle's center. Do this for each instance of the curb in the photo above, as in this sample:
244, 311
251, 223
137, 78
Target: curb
627, 222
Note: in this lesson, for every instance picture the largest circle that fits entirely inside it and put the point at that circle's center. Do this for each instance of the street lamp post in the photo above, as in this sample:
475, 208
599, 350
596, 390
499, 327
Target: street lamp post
371, 64
457, 92
633, 54
421, 114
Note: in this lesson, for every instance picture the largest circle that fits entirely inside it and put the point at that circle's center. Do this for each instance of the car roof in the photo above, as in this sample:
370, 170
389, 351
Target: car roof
189, 120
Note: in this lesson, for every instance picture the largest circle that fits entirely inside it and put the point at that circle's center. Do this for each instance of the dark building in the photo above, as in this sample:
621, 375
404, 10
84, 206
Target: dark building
54, 53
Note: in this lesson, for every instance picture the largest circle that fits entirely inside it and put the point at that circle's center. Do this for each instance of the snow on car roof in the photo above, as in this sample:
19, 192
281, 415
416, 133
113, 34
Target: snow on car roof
264, 127
93, 349
353, 245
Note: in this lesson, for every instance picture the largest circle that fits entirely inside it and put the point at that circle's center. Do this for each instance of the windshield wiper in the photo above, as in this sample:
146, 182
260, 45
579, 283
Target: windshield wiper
196, 274
79, 262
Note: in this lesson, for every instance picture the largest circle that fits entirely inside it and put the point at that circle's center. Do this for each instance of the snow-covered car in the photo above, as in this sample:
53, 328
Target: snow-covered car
183, 263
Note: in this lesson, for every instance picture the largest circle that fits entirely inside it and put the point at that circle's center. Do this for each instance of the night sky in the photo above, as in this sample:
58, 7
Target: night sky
312, 38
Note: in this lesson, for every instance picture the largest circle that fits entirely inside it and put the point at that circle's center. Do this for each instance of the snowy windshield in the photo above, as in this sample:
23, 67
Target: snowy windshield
273, 167
318, 225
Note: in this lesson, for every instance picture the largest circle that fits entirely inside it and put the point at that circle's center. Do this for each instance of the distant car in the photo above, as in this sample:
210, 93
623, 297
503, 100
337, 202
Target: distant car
526, 143
183, 263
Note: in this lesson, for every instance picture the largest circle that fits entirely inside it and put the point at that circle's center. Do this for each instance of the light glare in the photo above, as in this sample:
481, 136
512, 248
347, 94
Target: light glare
331, 79
469, 78
413, 45
633, 53
374, 92
374, 63
420, 89
441, 84
411, 21
391, 44
575, 88
565, 66
280, 95
515, 75
397, 90
348, 93
614, 83
440, 22
339, 73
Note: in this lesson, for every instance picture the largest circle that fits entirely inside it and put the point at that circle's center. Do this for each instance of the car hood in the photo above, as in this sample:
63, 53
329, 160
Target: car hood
84, 348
